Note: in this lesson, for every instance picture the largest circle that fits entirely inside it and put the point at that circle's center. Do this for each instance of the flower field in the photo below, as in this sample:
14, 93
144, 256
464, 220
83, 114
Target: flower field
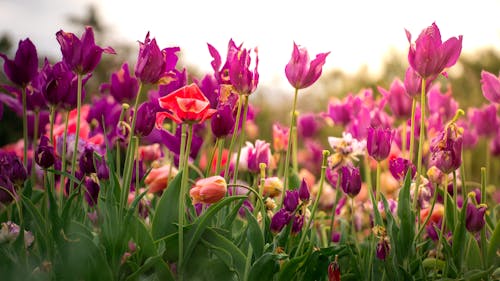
158, 174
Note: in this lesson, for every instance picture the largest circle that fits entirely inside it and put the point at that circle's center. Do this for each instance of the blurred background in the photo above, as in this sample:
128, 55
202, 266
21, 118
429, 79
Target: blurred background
366, 39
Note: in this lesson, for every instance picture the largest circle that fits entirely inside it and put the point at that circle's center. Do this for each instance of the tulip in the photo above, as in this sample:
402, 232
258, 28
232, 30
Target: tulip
223, 122
378, 143
208, 190
304, 193
81, 55
279, 221
490, 84
440, 103
291, 200
446, 150
158, 178
300, 71
273, 187
122, 87
6, 190
146, 117
298, 223
44, 155
334, 270
413, 83
398, 100
242, 78
383, 248
474, 218
429, 56
86, 162
62, 86
92, 192
399, 167
280, 137
185, 105
350, 180
307, 125
485, 120
153, 63
23, 69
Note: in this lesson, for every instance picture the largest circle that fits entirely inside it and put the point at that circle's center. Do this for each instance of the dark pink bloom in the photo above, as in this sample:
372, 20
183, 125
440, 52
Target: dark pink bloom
446, 149
429, 56
399, 167
378, 143
146, 118
221, 72
45, 156
61, 88
300, 71
280, 220
304, 194
223, 121
243, 79
23, 69
307, 125
298, 223
81, 55
383, 249
442, 103
484, 120
350, 180
490, 84
398, 100
91, 191
153, 63
291, 200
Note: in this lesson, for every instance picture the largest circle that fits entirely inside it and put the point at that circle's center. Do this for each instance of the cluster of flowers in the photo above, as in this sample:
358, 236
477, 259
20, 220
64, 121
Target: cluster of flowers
61, 134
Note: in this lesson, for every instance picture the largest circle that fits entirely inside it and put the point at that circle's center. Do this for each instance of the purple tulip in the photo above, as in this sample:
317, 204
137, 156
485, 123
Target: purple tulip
280, 220
12, 167
210, 89
221, 72
23, 69
91, 192
62, 86
146, 118
300, 71
291, 200
7, 190
339, 111
222, 122
123, 87
431, 229
495, 145
446, 150
378, 143
429, 56
398, 100
304, 193
399, 167
102, 170
490, 84
298, 223
307, 125
440, 103
485, 120
383, 249
86, 161
253, 156
474, 218
45, 156
243, 79
335, 237
350, 180
153, 63
81, 55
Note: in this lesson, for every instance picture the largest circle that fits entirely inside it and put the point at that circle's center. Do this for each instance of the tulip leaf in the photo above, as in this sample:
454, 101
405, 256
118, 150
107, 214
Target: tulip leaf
142, 237
201, 223
459, 233
290, 268
450, 212
494, 247
264, 268
166, 215
407, 221
255, 236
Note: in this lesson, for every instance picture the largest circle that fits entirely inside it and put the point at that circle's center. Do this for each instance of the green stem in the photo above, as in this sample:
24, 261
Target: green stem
420, 141
295, 144
455, 194
443, 219
353, 223
377, 187
422, 226
487, 160
25, 128
183, 145
248, 262
208, 171
334, 208
289, 148
77, 133
315, 204
63, 155
35, 140
182, 201
233, 137
118, 148
483, 241
412, 129
242, 139
403, 139
219, 155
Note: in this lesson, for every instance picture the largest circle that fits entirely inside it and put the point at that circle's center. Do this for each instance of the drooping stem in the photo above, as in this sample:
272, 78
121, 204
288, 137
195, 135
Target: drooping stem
182, 200
420, 141
77, 132
289, 148
25, 128
242, 139
307, 226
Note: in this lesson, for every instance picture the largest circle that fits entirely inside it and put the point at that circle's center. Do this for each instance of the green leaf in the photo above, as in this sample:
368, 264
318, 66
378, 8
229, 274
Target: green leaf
450, 212
166, 215
407, 221
473, 256
142, 237
494, 247
264, 268
218, 241
293, 180
201, 223
458, 247
291, 267
255, 236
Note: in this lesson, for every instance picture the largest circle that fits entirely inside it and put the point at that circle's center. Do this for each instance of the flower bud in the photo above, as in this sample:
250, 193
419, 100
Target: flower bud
474, 219
44, 156
209, 190
291, 200
334, 270
350, 180
304, 194
378, 143
280, 220
158, 178
383, 248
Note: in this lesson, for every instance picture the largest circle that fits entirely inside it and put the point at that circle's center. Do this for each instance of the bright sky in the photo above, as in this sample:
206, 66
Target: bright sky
355, 32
